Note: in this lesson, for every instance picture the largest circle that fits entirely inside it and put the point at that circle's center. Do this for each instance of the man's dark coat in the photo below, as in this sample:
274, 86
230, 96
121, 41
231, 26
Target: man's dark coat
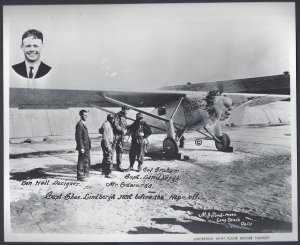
21, 69
82, 137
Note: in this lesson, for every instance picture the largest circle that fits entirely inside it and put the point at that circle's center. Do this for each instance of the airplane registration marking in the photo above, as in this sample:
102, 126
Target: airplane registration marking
194, 105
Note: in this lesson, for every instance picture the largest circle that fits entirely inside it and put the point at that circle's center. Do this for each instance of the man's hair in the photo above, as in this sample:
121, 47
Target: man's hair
109, 116
139, 115
82, 111
125, 108
33, 33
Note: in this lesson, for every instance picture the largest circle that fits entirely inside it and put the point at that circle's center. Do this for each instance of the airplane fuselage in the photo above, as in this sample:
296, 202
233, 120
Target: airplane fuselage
195, 113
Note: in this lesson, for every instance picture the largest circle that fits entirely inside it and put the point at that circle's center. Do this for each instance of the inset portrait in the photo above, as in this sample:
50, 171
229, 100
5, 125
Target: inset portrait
32, 67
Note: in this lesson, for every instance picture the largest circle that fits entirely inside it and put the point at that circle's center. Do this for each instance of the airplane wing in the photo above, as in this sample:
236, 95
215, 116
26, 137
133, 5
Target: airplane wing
24, 98
240, 99
276, 84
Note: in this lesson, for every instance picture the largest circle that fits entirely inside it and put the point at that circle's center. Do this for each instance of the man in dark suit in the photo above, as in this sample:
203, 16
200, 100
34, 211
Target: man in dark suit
32, 67
83, 146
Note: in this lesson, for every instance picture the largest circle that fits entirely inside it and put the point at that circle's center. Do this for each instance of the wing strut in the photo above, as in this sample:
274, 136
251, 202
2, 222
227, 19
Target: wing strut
131, 119
176, 108
169, 145
211, 134
135, 109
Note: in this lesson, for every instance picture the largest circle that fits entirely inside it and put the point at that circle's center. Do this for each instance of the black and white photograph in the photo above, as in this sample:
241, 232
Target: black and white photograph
165, 122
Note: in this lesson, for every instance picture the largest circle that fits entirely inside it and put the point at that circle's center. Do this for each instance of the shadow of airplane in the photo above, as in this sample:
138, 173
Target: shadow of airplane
58, 171
39, 154
215, 221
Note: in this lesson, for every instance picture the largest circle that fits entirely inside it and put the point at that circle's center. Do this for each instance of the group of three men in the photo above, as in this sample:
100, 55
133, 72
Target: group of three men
113, 132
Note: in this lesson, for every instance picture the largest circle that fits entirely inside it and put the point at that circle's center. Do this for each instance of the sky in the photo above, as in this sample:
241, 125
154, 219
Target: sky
148, 46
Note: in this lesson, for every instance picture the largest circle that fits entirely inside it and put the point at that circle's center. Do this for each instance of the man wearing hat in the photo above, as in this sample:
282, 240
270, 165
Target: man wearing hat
119, 128
107, 144
139, 132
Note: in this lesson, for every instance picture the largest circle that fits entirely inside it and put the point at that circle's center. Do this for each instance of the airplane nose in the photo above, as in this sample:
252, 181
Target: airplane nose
227, 102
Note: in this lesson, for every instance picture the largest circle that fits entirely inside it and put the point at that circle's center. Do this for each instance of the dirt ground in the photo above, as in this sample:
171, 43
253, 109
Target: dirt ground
208, 191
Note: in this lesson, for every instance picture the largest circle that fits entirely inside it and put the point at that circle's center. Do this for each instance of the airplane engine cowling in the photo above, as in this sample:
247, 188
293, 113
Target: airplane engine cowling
225, 106
227, 102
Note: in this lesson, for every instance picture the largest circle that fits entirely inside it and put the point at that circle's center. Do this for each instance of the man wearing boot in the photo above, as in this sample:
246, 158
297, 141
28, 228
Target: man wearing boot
139, 132
106, 144
119, 127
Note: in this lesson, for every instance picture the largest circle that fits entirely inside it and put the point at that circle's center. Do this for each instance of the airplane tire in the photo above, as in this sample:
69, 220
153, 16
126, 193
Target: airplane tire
224, 144
170, 148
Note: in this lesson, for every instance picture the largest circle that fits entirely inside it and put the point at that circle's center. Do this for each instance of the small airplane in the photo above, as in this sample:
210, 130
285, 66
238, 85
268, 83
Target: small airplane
174, 112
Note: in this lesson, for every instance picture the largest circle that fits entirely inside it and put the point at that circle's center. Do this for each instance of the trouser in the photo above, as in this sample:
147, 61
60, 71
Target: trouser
118, 148
83, 165
107, 158
136, 152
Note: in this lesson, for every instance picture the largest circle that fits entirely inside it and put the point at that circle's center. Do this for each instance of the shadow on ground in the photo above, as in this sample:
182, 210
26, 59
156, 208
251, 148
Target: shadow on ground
65, 172
39, 154
37, 173
161, 156
215, 221
154, 156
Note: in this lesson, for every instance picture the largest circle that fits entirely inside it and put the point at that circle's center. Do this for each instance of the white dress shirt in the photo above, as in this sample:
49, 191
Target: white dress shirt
35, 66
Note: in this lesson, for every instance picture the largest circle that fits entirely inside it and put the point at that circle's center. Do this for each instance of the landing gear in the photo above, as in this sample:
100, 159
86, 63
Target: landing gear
224, 143
170, 148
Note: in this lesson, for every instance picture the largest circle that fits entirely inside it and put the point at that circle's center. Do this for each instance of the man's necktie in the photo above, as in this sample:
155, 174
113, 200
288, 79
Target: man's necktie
30, 72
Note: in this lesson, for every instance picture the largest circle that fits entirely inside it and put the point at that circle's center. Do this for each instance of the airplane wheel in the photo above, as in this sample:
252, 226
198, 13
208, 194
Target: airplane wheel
170, 148
224, 144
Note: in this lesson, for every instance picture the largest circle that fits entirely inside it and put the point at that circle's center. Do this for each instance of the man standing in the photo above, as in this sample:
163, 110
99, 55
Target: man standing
106, 144
83, 146
32, 45
139, 131
119, 127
